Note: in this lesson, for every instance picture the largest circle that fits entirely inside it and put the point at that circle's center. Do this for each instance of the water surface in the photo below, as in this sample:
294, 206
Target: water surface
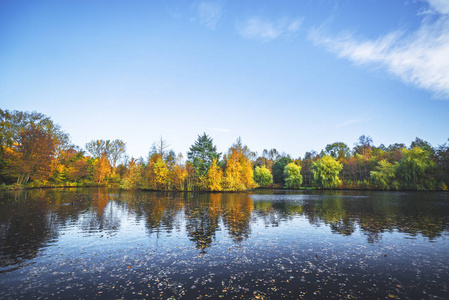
109, 244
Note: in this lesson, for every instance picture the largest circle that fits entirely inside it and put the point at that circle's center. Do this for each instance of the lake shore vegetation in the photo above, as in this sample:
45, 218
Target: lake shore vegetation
36, 153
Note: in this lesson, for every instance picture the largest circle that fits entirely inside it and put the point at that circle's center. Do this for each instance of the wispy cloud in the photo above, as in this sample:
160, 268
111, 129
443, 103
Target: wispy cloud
440, 6
209, 13
350, 122
420, 58
265, 30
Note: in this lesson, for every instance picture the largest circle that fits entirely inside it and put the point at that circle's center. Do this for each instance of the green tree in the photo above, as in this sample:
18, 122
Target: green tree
325, 172
278, 169
442, 163
338, 150
385, 176
201, 155
262, 176
415, 169
306, 167
293, 178
423, 145
133, 175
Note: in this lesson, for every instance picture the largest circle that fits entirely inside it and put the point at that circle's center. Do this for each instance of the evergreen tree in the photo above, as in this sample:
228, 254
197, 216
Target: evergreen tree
201, 155
278, 169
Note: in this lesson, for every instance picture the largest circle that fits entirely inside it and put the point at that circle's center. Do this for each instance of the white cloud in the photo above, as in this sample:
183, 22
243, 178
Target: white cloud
209, 13
256, 28
420, 58
349, 122
440, 6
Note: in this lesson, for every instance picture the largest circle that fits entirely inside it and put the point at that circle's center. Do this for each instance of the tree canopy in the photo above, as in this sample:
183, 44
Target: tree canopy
325, 172
293, 177
35, 152
202, 153
262, 176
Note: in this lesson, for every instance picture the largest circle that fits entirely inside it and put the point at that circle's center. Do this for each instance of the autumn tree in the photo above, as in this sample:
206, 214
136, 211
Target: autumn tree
161, 173
180, 173
12, 125
215, 177
233, 170
357, 171
32, 156
267, 159
113, 151
239, 171
133, 175
363, 147
97, 148
325, 172
78, 170
262, 176
394, 152
102, 169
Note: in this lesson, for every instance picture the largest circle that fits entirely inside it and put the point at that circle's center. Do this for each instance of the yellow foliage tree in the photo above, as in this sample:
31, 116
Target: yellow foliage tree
215, 177
232, 178
247, 172
160, 173
102, 169
180, 175
239, 172
133, 176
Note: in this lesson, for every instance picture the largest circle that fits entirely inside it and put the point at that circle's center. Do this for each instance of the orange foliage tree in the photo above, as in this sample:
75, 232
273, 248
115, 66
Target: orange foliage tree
32, 156
102, 169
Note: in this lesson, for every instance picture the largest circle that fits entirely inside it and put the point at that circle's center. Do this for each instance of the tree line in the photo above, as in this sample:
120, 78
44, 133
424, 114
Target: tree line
35, 152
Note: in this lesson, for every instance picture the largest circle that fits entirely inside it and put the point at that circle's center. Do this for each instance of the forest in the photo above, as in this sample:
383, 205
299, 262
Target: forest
36, 152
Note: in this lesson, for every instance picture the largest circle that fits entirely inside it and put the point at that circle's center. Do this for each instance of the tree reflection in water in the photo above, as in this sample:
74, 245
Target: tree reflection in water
29, 220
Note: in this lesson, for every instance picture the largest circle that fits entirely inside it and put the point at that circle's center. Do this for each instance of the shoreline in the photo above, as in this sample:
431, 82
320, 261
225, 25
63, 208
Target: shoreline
48, 187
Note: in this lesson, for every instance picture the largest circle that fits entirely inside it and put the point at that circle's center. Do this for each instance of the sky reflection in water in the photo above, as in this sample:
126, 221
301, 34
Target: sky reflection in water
100, 243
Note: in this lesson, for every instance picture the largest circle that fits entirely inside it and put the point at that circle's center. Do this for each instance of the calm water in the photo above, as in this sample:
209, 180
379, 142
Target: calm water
100, 243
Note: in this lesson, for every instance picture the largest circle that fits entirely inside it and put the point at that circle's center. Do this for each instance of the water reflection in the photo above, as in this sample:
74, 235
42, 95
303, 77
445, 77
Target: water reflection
30, 220
25, 226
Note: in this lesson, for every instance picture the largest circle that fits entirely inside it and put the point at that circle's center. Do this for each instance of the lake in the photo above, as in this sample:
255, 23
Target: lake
102, 243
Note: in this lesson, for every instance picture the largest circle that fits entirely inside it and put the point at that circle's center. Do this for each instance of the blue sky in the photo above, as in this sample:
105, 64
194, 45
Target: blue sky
290, 75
